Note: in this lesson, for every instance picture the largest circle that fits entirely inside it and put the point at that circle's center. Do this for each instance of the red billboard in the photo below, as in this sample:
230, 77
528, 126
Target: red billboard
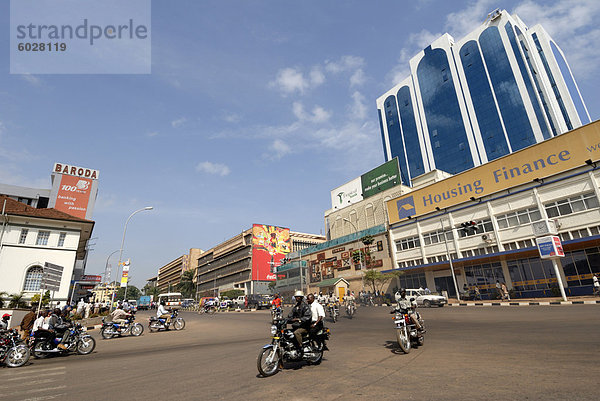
270, 244
73, 195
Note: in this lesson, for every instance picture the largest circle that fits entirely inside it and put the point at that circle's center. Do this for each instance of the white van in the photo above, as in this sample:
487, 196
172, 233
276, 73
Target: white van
172, 299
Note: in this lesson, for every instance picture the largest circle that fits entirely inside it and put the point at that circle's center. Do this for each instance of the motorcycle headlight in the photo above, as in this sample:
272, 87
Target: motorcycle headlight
273, 330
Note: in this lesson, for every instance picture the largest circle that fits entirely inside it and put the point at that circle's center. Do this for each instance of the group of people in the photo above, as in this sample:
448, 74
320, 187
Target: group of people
52, 322
306, 316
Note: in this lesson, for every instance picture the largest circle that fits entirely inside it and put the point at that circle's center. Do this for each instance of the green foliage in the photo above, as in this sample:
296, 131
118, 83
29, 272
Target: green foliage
377, 280
186, 285
231, 294
132, 293
35, 300
17, 301
357, 256
272, 285
150, 290
2, 295
367, 240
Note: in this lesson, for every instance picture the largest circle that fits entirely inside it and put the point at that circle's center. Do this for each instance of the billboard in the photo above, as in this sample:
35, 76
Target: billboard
553, 156
380, 178
270, 244
371, 183
347, 194
73, 195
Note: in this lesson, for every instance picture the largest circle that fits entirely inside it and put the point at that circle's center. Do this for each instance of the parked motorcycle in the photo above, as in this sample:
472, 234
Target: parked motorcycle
406, 330
156, 324
12, 352
44, 343
334, 311
350, 309
283, 348
111, 329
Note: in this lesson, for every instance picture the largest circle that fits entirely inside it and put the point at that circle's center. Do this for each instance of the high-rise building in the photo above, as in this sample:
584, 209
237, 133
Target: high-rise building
499, 89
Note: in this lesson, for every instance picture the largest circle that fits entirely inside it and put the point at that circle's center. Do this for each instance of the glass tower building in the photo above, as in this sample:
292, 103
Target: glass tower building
499, 89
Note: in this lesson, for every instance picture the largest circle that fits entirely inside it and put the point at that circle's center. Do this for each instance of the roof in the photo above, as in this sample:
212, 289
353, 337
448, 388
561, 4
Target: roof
17, 208
331, 282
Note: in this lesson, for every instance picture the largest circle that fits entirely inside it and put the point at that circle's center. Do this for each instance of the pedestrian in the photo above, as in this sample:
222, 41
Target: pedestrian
477, 293
596, 284
80, 307
88, 306
499, 289
504, 291
27, 323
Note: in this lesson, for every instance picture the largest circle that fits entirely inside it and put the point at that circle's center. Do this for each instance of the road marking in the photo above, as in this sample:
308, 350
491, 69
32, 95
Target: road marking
30, 377
45, 397
40, 369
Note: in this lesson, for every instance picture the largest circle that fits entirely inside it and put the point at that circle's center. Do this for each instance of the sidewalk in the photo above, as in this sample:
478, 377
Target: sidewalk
581, 300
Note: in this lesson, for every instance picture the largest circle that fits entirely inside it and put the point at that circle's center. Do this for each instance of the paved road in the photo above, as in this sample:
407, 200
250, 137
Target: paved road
549, 353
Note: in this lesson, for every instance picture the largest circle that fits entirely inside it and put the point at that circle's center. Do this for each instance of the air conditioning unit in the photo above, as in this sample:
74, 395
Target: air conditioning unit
488, 238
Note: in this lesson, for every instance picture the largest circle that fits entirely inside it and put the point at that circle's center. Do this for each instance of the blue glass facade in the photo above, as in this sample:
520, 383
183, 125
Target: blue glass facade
447, 132
530, 90
395, 136
516, 122
410, 133
559, 99
488, 119
566, 73
534, 74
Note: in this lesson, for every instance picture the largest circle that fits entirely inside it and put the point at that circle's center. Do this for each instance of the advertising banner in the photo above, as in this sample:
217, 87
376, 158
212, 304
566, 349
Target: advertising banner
270, 244
380, 178
73, 195
550, 157
550, 247
125, 276
347, 194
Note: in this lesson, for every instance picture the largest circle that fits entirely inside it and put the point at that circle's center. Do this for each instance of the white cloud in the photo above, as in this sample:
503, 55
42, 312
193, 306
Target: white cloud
279, 149
318, 115
213, 168
32, 79
460, 23
358, 109
358, 78
415, 43
178, 122
152, 134
345, 63
316, 76
232, 118
290, 80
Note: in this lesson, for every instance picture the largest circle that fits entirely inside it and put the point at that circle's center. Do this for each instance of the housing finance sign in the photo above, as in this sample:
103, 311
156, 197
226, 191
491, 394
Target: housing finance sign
270, 244
553, 156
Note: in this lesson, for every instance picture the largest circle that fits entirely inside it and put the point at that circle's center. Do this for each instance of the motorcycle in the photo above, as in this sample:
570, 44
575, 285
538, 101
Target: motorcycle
350, 310
334, 311
210, 309
406, 330
12, 353
44, 343
111, 329
283, 348
156, 323
276, 312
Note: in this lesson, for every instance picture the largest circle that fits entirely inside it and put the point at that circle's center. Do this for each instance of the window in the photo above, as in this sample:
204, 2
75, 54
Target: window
435, 237
407, 243
572, 205
33, 279
23, 236
42, 238
519, 217
61, 239
483, 226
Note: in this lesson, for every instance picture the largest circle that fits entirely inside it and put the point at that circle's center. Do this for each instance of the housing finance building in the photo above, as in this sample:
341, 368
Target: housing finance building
499, 89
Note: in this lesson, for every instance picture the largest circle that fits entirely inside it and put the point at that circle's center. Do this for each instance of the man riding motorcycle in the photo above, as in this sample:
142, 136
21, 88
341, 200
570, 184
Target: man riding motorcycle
163, 313
317, 313
300, 317
119, 316
404, 303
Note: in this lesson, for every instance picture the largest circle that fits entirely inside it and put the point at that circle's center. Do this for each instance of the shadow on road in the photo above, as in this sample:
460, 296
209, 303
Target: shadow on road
395, 348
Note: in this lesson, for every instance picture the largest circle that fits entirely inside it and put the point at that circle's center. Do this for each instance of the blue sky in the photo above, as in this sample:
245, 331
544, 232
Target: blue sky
253, 113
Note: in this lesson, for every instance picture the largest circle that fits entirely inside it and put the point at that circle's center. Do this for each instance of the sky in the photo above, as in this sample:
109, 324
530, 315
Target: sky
253, 113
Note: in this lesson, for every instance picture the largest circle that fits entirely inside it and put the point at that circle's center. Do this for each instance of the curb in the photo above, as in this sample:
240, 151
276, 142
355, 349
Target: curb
541, 303
97, 326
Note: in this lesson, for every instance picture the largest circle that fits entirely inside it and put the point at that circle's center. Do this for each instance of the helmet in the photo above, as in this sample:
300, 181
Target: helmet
6, 315
162, 302
299, 294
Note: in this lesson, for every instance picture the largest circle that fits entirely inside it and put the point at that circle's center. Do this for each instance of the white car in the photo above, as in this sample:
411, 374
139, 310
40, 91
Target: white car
424, 299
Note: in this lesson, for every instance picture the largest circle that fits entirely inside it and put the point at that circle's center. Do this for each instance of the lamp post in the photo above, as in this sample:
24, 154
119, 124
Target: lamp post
121, 251
449, 259
360, 254
106, 279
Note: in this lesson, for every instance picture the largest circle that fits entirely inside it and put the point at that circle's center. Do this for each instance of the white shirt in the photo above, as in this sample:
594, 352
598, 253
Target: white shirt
595, 280
316, 309
38, 323
161, 311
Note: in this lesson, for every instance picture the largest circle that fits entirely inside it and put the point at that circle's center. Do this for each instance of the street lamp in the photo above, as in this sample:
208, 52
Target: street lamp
106, 279
450, 259
360, 254
121, 250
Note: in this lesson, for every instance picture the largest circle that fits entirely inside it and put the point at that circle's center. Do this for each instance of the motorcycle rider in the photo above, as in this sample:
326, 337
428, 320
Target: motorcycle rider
317, 313
350, 300
119, 316
163, 313
4, 321
300, 317
57, 326
404, 303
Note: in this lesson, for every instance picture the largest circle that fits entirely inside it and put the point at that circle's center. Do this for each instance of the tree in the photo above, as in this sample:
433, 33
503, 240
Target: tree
150, 290
272, 285
231, 294
186, 285
377, 280
132, 293
367, 240
35, 300
2, 295
17, 301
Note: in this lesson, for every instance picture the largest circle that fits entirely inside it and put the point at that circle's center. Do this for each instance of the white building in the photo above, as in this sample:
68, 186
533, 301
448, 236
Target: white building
499, 89
30, 237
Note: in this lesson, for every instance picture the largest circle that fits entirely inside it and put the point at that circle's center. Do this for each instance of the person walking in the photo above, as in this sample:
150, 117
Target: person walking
27, 323
504, 291
499, 289
596, 284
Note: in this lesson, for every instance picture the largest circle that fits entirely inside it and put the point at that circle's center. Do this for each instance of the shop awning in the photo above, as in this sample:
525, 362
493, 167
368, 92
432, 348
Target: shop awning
330, 282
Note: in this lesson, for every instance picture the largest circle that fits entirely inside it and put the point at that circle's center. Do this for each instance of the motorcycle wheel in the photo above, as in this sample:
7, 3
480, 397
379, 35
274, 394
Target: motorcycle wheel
86, 345
17, 356
137, 330
318, 351
36, 350
107, 333
179, 324
153, 326
420, 340
334, 317
211, 310
265, 368
403, 340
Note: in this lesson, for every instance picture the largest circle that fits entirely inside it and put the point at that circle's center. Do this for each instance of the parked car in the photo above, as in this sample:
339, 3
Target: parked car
259, 301
239, 302
423, 298
225, 303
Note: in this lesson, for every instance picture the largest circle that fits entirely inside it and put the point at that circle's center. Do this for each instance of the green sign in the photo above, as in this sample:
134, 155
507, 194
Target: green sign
381, 178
